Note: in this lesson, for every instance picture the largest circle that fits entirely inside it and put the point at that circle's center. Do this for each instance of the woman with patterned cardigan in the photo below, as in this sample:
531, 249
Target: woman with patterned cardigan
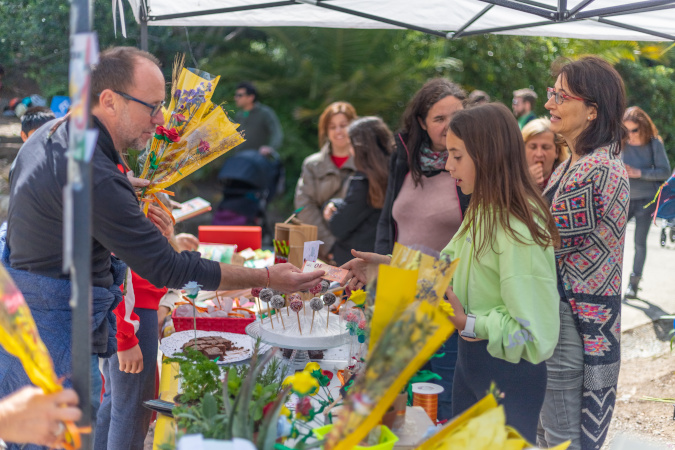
589, 196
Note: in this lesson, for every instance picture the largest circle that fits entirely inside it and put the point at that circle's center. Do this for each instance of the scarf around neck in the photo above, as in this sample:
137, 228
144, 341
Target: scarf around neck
431, 161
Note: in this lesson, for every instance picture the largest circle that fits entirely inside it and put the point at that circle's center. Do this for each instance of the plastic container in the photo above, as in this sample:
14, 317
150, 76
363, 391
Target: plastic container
230, 324
387, 438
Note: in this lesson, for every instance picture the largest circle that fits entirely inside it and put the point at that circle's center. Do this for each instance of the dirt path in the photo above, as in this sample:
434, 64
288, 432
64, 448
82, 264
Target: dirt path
646, 370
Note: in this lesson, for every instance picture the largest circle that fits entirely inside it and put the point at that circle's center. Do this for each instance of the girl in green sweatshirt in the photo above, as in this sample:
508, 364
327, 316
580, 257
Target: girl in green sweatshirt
504, 291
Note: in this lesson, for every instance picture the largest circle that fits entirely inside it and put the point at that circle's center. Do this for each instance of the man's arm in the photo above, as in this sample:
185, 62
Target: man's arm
283, 277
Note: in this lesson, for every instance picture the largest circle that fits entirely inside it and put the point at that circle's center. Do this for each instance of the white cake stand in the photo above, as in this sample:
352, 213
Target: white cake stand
320, 338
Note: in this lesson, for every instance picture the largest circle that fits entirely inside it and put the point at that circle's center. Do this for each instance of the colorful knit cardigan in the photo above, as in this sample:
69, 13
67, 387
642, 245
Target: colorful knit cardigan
589, 202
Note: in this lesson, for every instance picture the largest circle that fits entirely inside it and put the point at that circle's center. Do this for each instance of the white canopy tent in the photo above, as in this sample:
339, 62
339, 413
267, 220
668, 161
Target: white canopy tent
590, 19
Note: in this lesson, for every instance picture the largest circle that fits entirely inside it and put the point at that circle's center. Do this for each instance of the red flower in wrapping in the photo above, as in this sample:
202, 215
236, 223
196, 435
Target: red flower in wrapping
179, 118
203, 146
304, 406
171, 135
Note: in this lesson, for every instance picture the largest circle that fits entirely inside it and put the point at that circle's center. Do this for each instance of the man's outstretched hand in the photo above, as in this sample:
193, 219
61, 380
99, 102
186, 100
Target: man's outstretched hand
288, 278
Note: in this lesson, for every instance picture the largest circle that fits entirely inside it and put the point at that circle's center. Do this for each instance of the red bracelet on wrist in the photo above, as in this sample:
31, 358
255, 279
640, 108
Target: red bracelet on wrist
268, 277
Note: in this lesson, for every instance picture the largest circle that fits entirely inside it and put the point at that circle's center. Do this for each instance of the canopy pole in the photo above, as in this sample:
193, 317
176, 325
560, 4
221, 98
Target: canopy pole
460, 32
669, 37
541, 12
630, 7
352, 12
144, 27
77, 208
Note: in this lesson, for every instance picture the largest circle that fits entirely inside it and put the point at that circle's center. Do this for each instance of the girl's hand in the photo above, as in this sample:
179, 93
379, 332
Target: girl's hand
358, 267
459, 319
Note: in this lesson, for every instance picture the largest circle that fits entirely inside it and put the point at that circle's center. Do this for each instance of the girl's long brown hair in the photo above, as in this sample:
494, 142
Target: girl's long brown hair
373, 144
503, 186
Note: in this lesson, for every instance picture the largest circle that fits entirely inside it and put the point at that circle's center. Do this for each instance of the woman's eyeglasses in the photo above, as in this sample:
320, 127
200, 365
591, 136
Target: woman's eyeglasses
560, 97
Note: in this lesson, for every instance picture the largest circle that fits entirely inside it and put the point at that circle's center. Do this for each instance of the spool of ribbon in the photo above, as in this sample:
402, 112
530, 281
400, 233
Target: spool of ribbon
426, 396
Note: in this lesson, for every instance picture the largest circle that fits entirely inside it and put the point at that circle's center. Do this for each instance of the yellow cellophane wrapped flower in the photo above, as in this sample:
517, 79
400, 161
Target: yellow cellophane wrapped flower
481, 427
302, 383
446, 308
19, 336
196, 132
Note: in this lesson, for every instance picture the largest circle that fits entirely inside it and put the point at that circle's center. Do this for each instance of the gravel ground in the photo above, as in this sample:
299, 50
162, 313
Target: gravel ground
646, 371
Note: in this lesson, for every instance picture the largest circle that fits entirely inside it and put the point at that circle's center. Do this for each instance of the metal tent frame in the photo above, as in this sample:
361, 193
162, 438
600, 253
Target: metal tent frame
549, 14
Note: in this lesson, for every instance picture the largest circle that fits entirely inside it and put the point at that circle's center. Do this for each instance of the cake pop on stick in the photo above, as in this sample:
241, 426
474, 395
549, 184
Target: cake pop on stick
265, 296
328, 299
325, 284
255, 292
296, 306
316, 304
316, 290
277, 302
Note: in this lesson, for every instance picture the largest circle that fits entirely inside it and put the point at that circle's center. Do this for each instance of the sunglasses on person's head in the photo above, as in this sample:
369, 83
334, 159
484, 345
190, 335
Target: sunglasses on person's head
154, 109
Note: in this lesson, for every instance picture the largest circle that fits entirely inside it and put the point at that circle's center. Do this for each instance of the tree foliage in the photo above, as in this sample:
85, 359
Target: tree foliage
299, 71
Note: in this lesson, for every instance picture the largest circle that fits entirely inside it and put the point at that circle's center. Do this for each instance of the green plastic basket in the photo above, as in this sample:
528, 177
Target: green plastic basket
387, 438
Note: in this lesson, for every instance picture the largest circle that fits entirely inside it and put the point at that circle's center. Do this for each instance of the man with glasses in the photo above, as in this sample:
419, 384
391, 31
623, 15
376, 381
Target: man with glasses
128, 90
523, 106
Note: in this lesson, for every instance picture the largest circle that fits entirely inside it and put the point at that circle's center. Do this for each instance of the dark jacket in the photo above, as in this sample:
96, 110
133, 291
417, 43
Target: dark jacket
354, 224
652, 160
398, 168
35, 219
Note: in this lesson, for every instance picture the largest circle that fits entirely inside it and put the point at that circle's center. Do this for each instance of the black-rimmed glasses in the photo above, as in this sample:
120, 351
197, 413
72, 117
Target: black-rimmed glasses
154, 109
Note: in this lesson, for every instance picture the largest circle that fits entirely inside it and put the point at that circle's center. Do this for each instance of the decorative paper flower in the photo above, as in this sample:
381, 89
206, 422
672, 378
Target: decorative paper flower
312, 366
358, 297
362, 325
447, 308
203, 146
351, 317
302, 383
192, 289
284, 427
303, 409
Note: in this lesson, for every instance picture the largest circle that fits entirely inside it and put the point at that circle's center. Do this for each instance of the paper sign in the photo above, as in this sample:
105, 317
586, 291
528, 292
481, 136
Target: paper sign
332, 273
311, 251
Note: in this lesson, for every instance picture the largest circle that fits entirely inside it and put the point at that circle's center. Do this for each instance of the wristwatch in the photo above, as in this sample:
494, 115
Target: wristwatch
468, 331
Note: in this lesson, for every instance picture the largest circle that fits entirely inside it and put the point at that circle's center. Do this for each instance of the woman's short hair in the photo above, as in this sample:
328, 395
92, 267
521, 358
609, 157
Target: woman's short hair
331, 110
542, 125
647, 129
600, 85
